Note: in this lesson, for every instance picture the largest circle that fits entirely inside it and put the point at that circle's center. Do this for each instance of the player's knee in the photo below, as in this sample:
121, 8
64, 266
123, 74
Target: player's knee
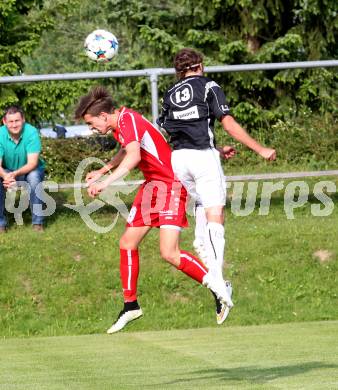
125, 243
169, 255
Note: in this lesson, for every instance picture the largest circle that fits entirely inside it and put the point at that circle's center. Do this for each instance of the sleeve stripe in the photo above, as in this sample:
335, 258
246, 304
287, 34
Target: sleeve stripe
134, 125
155, 128
209, 86
120, 116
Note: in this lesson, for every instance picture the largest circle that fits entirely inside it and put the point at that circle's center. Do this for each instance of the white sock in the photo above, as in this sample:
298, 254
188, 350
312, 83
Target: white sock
200, 225
215, 243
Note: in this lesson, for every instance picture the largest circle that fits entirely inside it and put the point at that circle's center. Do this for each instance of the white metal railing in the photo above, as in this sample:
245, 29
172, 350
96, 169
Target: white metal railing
243, 178
153, 74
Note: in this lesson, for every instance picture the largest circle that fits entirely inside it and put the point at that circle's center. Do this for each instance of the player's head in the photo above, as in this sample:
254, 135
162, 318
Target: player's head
187, 60
96, 108
14, 120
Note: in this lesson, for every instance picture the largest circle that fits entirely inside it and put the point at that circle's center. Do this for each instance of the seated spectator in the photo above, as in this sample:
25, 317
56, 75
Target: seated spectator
20, 148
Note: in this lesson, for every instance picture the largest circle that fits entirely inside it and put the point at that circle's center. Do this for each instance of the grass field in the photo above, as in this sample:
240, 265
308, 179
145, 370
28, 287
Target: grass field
289, 356
66, 281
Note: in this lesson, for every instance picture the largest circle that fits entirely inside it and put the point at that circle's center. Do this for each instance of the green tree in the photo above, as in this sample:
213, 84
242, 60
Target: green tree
21, 24
235, 32
226, 32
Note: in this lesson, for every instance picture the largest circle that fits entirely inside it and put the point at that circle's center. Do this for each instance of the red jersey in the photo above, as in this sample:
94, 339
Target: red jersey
155, 161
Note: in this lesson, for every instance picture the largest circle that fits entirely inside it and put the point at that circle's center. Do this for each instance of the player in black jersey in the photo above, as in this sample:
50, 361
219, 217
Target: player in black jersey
190, 108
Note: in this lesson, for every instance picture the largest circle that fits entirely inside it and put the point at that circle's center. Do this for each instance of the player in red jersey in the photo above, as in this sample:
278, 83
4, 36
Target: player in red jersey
160, 202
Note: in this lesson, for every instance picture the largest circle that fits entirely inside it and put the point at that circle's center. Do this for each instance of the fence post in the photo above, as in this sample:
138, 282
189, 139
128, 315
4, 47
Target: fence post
154, 96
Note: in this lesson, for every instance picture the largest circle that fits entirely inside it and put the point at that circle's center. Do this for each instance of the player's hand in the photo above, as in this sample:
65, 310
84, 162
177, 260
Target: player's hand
93, 176
226, 152
95, 189
268, 154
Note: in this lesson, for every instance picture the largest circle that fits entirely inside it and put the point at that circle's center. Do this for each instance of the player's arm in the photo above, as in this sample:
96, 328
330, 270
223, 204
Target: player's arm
218, 106
115, 161
93, 176
130, 160
238, 133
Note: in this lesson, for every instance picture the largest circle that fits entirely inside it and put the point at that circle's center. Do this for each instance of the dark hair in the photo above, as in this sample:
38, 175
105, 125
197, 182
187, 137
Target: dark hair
96, 101
13, 110
187, 59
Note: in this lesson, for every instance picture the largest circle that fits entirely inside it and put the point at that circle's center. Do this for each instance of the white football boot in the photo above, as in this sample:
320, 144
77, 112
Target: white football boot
218, 287
222, 309
123, 319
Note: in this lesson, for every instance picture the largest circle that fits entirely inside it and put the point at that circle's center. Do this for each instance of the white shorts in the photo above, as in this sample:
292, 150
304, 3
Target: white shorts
201, 173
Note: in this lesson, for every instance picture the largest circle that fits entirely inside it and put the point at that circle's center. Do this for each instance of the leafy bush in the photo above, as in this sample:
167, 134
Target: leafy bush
63, 156
310, 142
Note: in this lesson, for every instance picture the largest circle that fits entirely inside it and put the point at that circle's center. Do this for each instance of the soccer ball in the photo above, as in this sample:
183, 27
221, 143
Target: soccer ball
101, 45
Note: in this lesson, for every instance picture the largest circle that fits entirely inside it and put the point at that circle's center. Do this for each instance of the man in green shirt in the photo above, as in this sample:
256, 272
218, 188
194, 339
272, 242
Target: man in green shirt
20, 161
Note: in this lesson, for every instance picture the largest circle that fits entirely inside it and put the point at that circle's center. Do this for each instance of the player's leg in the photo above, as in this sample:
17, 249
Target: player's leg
190, 264
214, 244
129, 260
129, 271
209, 180
181, 165
202, 239
210, 188
201, 173
214, 237
182, 260
200, 232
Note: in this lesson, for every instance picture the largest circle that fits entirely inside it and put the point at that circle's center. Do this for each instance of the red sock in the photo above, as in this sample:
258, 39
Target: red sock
192, 266
129, 269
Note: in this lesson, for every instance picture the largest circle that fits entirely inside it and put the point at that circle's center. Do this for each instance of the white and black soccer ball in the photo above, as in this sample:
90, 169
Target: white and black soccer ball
101, 45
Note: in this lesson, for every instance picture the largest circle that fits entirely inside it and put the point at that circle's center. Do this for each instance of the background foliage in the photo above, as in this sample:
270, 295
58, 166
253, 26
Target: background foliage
39, 37
47, 37
64, 155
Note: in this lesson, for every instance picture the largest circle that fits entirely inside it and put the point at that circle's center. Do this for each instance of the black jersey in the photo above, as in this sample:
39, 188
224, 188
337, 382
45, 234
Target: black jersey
189, 110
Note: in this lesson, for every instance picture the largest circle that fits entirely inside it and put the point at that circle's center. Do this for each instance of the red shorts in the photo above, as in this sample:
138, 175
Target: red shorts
158, 203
